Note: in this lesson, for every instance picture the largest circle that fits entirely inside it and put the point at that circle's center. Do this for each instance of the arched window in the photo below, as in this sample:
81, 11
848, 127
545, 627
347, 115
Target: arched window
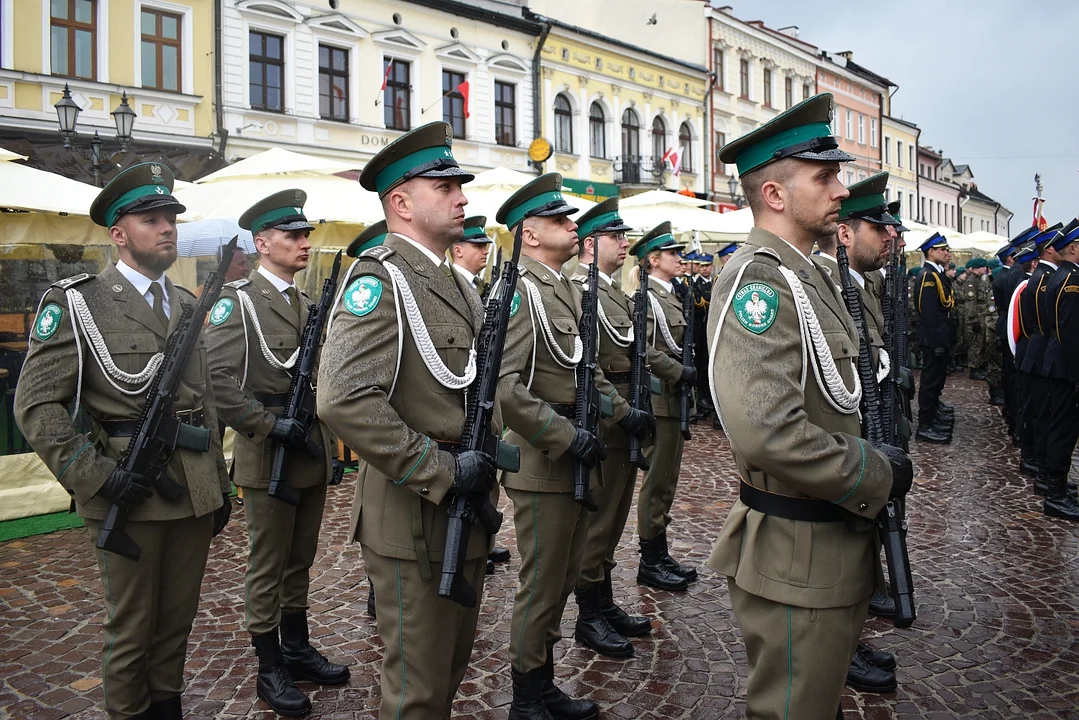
631, 135
659, 139
685, 144
597, 132
563, 124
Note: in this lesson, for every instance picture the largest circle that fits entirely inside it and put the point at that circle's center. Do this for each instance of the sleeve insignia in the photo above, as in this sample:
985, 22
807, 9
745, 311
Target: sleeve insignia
48, 322
515, 304
363, 294
756, 305
222, 310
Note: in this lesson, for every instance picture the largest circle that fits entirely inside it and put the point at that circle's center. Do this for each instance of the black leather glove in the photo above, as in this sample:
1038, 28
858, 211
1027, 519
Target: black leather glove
126, 489
902, 469
289, 431
476, 473
222, 514
939, 352
637, 423
587, 448
338, 473
689, 374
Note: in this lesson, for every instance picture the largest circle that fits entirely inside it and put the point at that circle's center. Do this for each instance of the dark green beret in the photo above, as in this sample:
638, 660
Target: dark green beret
867, 202
603, 218
372, 236
283, 211
661, 237
140, 188
423, 152
540, 198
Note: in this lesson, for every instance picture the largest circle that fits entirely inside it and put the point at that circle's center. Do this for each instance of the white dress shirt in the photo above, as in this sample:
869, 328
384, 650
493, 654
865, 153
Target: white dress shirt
669, 287
428, 253
142, 286
281, 285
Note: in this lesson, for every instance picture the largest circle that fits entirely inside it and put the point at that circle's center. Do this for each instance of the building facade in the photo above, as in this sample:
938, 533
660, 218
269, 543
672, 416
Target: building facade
977, 211
938, 200
899, 158
344, 79
759, 72
159, 52
614, 112
859, 107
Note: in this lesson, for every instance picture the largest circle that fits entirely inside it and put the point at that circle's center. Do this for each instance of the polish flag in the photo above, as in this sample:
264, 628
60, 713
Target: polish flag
463, 89
386, 75
674, 157
1015, 331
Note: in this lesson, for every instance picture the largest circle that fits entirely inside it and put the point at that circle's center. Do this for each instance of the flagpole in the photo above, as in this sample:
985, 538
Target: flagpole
385, 77
436, 102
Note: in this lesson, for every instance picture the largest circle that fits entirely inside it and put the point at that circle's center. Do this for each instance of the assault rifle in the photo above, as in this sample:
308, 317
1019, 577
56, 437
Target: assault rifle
889, 521
640, 381
159, 432
586, 413
467, 511
301, 396
685, 402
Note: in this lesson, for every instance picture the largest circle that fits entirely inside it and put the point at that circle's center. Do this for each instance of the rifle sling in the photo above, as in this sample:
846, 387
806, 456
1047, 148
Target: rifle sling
192, 436
790, 508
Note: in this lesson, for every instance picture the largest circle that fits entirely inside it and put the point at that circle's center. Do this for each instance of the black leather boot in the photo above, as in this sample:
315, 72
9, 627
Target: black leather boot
1027, 465
274, 684
499, 554
882, 606
930, 433
627, 625
560, 705
303, 661
1041, 484
996, 396
592, 629
528, 696
673, 565
652, 572
1059, 501
869, 678
168, 709
877, 658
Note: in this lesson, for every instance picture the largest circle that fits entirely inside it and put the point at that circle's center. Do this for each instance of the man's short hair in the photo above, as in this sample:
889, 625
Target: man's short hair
780, 172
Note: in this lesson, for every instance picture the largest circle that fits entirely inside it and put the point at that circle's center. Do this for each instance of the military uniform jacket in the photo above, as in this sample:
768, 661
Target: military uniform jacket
1030, 350
934, 301
1059, 309
616, 352
242, 375
378, 396
533, 379
667, 365
132, 335
788, 439
1004, 285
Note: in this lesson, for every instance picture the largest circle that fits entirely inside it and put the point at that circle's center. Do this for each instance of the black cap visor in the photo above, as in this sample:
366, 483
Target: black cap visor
151, 202
558, 207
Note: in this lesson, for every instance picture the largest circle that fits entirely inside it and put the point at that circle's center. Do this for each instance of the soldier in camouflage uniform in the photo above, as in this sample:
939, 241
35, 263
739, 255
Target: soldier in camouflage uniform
975, 293
960, 315
989, 337
912, 315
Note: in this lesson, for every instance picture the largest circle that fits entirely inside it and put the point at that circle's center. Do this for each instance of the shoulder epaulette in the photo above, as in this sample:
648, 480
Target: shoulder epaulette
73, 281
237, 284
769, 253
379, 252
578, 278
183, 289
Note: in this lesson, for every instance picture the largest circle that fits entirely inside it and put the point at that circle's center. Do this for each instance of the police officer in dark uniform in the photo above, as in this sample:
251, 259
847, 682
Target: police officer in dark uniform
1059, 308
934, 301
1004, 285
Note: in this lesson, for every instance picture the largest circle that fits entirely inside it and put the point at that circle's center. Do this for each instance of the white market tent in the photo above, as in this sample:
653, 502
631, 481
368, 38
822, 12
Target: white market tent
686, 214
25, 188
983, 241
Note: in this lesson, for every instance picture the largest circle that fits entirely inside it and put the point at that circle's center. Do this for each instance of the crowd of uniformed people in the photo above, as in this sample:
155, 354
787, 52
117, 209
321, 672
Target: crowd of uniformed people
775, 367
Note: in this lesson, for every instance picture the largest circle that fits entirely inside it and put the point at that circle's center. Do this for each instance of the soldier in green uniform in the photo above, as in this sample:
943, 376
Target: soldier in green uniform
96, 345
398, 357
601, 624
970, 303
254, 336
658, 251
469, 255
537, 392
799, 547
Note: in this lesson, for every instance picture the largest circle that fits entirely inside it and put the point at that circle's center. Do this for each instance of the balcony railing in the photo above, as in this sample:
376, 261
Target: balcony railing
640, 170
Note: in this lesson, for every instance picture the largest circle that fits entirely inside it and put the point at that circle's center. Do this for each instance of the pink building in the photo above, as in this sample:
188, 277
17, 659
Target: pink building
938, 197
860, 97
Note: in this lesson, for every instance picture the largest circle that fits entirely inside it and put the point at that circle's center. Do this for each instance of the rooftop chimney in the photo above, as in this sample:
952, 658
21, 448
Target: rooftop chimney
846, 54
790, 31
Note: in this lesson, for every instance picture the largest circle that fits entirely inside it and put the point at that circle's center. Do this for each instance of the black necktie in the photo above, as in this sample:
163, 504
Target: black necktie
159, 305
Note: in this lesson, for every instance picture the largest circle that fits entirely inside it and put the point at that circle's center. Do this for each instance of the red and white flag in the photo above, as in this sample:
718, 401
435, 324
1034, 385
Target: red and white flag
674, 157
386, 75
1015, 328
463, 89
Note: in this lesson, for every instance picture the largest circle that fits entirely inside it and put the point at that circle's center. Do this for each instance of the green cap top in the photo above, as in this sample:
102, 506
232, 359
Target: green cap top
140, 188
803, 132
867, 202
283, 211
423, 152
603, 218
474, 232
372, 236
540, 198
661, 237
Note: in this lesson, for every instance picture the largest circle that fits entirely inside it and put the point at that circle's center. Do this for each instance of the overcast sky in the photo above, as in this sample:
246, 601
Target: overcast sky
992, 83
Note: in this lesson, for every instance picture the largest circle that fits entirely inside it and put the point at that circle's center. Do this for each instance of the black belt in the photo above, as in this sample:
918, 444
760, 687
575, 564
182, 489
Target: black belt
450, 447
791, 508
566, 410
127, 428
272, 399
617, 377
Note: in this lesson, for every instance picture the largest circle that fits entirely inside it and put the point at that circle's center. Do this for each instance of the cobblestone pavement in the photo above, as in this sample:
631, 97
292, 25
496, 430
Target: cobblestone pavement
996, 635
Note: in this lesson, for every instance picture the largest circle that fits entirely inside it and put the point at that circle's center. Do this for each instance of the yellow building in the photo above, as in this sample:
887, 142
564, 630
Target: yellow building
899, 157
160, 52
612, 111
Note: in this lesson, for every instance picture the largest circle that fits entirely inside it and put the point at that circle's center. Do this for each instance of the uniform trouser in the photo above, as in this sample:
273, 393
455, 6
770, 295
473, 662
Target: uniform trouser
660, 480
605, 526
551, 532
427, 639
1007, 381
934, 375
150, 605
1040, 389
1023, 414
1063, 428
798, 657
975, 349
992, 357
283, 541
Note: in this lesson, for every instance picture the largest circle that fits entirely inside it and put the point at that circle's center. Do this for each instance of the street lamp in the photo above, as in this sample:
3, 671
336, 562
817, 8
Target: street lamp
732, 185
67, 114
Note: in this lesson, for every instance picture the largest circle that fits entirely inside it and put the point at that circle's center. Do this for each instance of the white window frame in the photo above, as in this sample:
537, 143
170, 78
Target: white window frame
872, 132
411, 55
458, 65
187, 63
899, 154
7, 18
264, 25
911, 149
887, 150
608, 125
861, 129
499, 71
850, 124
101, 31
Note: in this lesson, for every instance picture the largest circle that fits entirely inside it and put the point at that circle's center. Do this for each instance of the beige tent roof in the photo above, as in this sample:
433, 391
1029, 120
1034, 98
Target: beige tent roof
277, 161
26, 188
